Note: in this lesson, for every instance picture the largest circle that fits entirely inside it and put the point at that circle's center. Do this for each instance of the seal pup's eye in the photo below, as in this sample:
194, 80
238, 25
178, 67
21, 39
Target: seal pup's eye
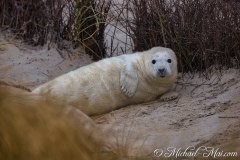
169, 60
153, 61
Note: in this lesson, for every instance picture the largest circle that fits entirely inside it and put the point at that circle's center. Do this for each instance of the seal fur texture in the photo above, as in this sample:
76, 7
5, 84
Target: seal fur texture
115, 82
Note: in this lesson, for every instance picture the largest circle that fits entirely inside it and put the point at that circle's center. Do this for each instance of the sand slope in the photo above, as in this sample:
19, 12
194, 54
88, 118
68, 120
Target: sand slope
207, 113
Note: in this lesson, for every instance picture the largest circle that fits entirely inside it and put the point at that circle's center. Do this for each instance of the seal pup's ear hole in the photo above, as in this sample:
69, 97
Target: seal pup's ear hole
153, 61
169, 61
128, 80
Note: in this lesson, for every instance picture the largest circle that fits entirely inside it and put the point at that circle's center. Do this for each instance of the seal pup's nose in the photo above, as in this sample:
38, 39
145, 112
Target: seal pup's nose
161, 70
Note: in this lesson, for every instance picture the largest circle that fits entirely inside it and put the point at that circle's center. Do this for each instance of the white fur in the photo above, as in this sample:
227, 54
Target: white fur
114, 82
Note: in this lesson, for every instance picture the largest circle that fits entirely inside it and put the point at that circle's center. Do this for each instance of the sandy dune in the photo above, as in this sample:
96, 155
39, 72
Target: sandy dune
206, 114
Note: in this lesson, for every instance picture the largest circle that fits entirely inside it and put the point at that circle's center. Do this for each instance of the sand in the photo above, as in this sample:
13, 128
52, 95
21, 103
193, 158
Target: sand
206, 114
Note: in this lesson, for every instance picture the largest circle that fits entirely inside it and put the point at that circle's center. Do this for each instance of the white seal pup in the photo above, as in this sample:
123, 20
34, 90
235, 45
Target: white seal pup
115, 82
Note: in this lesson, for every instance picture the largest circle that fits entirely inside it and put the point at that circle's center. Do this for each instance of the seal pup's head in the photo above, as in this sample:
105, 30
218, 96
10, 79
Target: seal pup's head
162, 63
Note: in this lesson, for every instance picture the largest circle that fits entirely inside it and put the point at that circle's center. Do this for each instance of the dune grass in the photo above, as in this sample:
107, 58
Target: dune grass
203, 33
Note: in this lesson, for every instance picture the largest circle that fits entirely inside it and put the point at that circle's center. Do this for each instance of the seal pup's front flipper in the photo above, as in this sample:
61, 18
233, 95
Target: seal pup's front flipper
170, 96
128, 80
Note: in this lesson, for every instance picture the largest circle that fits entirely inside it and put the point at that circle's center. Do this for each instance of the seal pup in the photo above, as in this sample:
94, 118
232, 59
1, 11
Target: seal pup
116, 82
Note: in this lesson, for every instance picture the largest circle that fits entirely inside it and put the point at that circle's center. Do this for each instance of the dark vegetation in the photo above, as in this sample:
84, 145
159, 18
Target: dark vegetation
37, 21
203, 33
